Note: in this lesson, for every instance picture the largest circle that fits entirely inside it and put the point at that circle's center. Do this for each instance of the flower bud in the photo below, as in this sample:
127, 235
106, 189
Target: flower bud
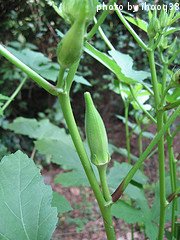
163, 19
96, 134
72, 10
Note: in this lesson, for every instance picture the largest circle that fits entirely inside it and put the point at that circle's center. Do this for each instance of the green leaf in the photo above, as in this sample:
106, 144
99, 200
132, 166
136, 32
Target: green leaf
124, 211
59, 152
61, 203
25, 202
138, 22
124, 72
119, 171
82, 80
123, 152
125, 62
3, 97
135, 128
38, 129
73, 178
173, 95
171, 30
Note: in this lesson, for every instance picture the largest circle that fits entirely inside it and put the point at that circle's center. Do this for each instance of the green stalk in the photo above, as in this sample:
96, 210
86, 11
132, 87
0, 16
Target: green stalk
60, 82
141, 107
140, 141
172, 164
161, 158
32, 74
131, 30
100, 20
119, 191
15, 93
103, 35
103, 179
127, 132
70, 121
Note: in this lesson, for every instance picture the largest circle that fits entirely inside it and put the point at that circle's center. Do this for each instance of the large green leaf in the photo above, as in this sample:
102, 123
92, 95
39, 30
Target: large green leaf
25, 202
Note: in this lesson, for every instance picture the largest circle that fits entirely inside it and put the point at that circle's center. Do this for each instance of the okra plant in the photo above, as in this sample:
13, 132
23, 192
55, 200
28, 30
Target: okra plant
162, 91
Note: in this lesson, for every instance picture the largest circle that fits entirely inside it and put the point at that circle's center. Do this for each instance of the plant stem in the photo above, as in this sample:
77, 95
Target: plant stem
70, 121
60, 82
100, 20
103, 178
15, 93
141, 107
172, 165
131, 30
140, 145
32, 74
118, 192
103, 35
127, 132
161, 158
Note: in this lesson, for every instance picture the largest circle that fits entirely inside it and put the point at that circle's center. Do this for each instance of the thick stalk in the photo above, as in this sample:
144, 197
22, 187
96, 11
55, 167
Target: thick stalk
127, 132
70, 121
161, 158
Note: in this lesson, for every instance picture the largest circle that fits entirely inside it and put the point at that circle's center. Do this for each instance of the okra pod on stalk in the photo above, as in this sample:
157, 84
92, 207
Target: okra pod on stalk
96, 134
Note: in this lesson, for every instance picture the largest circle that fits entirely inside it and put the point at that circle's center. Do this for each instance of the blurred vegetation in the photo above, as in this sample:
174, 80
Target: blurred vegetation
29, 28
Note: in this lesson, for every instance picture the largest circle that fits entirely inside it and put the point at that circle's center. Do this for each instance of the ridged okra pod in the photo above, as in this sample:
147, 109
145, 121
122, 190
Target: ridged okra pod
96, 134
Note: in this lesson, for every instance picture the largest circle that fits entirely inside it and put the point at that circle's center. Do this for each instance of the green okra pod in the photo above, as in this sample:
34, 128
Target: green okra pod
96, 134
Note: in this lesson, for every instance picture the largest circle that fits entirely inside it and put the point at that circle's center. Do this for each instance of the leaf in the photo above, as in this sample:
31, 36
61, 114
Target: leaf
3, 97
82, 80
38, 129
125, 62
128, 76
61, 203
119, 171
25, 202
173, 95
60, 152
171, 30
138, 22
135, 128
123, 152
73, 178
129, 214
